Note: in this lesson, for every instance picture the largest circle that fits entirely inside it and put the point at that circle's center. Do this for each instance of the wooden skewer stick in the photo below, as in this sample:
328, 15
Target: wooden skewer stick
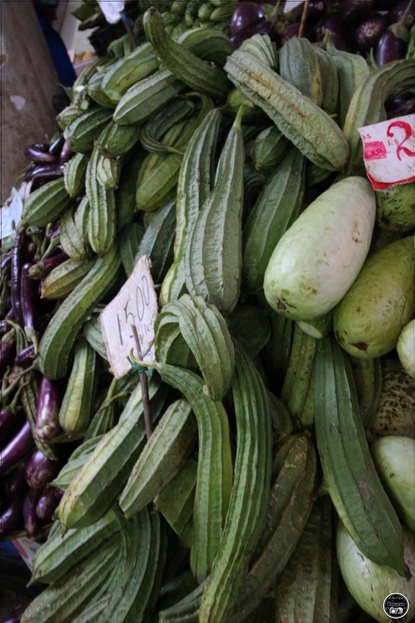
144, 388
303, 18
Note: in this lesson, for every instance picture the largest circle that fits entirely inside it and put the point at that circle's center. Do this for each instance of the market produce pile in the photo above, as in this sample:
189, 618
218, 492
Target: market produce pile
280, 396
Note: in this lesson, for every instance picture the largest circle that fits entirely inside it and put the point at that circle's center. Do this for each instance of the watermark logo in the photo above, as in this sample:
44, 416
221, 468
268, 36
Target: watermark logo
396, 605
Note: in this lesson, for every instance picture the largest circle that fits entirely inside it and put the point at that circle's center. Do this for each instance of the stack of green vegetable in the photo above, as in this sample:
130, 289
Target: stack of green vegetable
285, 286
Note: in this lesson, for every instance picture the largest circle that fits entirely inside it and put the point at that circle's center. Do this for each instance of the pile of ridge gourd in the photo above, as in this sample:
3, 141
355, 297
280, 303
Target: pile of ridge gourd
281, 395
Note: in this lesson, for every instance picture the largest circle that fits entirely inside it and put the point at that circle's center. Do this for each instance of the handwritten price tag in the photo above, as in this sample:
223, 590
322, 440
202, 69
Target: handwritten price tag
389, 151
134, 305
111, 10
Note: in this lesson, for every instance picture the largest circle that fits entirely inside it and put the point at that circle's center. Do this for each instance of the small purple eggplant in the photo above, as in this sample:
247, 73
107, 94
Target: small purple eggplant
66, 153
14, 483
18, 447
47, 504
356, 10
47, 412
25, 357
7, 353
44, 173
32, 523
332, 24
44, 267
400, 105
397, 12
41, 470
368, 32
55, 147
393, 43
39, 153
17, 261
11, 518
7, 424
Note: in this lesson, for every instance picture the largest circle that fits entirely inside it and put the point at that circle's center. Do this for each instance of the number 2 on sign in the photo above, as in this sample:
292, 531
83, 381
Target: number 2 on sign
409, 133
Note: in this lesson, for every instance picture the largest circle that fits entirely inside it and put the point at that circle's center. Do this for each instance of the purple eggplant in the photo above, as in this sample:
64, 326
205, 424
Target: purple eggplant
44, 267
66, 153
18, 448
394, 41
292, 30
32, 523
39, 153
354, 11
397, 12
14, 483
47, 504
315, 11
247, 15
58, 493
7, 353
15, 618
391, 47
41, 470
332, 24
11, 518
44, 174
7, 423
400, 105
368, 32
17, 261
25, 357
28, 292
47, 412
55, 147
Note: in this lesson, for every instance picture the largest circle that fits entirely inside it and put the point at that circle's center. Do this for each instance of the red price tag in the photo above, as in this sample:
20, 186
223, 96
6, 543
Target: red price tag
389, 151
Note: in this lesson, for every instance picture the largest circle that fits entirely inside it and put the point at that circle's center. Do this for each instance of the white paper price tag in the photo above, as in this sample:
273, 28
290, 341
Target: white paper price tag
134, 305
111, 10
389, 151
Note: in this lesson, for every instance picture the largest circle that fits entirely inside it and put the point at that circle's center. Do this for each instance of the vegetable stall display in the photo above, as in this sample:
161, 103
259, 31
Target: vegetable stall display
229, 477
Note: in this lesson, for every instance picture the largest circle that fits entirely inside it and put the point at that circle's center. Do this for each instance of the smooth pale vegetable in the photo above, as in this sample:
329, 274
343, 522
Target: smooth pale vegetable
394, 458
370, 583
406, 348
370, 317
320, 255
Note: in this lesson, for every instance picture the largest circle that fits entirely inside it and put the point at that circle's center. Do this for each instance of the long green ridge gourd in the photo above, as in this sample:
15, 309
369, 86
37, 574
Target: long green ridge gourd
58, 339
214, 469
193, 187
102, 477
370, 317
305, 124
214, 250
248, 503
289, 506
320, 255
198, 74
166, 451
206, 333
349, 472
276, 208
306, 589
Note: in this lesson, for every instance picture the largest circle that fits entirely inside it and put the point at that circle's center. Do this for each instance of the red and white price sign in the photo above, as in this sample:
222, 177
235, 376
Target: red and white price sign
389, 151
135, 305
